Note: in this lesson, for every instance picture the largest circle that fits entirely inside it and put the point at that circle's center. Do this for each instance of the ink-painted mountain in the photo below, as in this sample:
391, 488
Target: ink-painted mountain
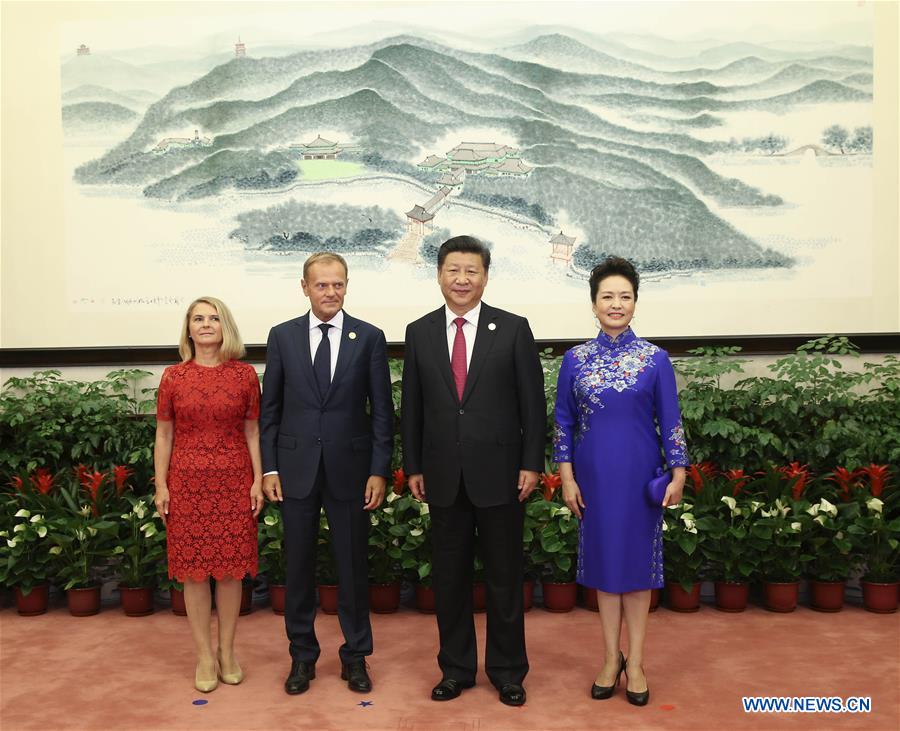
400, 96
93, 93
109, 72
95, 115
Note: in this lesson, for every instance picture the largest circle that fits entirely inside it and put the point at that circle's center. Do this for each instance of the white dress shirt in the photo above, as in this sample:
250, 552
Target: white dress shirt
469, 330
334, 336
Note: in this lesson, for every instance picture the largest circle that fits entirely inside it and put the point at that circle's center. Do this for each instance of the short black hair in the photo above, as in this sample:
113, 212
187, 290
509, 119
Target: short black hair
466, 245
612, 266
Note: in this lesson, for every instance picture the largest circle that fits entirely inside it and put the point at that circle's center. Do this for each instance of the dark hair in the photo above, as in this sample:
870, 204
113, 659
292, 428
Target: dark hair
611, 266
466, 245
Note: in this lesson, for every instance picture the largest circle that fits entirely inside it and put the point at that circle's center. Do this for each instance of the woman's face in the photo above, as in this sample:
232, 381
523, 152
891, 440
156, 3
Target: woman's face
614, 305
204, 325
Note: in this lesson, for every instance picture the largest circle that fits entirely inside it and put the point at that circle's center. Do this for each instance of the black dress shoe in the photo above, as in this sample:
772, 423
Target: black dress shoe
512, 694
356, 676
298, 681
602, 692
448, 689
636, 698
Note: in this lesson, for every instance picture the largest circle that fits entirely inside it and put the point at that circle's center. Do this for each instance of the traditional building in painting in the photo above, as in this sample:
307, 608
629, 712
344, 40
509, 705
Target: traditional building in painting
170, 143
319, 149
561, 251
83, 50
240, 49
487, 158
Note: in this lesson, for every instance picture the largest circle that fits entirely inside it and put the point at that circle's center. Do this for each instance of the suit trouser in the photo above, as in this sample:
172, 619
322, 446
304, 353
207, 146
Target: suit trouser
349, 528
500, 542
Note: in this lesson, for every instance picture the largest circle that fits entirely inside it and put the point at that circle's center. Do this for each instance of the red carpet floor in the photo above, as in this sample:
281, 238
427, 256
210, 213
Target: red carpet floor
111, 672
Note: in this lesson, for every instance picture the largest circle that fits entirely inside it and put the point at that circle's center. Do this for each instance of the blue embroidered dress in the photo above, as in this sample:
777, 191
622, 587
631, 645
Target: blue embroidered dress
611, 395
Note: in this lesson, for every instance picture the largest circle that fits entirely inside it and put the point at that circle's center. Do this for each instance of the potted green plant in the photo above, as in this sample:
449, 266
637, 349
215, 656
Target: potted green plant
385, 556
733, 561
833, 553
272, 559
783, 525
683, 558
25, 561
140, 549
556, 551
82, 542
326, 568
415, 547
878, 530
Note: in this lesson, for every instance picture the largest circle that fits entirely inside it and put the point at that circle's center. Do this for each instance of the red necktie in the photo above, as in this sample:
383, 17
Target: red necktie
458, 357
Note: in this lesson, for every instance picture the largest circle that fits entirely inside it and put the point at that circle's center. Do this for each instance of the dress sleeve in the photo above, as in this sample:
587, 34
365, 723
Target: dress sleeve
165, 409
668, 413
252, 412
566, 413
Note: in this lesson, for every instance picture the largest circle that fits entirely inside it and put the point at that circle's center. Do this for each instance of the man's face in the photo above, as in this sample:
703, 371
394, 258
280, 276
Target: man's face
326, 285
462, 278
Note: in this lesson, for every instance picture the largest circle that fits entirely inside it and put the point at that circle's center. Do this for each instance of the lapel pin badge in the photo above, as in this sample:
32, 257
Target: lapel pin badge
352, 335
491, 326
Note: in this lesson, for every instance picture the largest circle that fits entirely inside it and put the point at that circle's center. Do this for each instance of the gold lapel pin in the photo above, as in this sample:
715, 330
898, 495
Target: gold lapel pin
352, 335
491, 326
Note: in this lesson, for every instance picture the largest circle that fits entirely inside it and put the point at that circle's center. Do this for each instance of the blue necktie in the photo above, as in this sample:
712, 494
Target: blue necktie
322, 361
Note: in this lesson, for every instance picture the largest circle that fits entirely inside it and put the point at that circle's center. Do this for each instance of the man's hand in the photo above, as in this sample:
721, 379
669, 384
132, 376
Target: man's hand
272, 488
417, 486
528, 480
374, 491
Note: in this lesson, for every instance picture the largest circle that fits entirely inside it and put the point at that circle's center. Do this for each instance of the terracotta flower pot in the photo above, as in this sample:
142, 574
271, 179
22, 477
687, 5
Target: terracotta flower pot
681, 600
246, 598
177, 598
590, 598
528, 595
328, 599
83, 602
731, 596
479, 596
880, 598
559, 597
276, 597
136, 601
826, 596
425, 599
35, 602
781, 596
384, 598
654, 599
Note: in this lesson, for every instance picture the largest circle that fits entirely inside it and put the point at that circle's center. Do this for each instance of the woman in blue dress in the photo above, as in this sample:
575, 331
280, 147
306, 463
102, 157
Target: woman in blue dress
617, 421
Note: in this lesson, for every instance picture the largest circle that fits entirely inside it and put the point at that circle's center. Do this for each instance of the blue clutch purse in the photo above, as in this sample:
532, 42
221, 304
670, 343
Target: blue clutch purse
656, 488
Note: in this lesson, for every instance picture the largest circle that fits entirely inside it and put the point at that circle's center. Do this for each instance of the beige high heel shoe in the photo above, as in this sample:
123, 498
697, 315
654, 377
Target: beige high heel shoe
205, 685
230, 678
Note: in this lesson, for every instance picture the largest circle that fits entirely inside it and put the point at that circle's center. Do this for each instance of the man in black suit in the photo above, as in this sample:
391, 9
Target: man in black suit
321, 447
474, 424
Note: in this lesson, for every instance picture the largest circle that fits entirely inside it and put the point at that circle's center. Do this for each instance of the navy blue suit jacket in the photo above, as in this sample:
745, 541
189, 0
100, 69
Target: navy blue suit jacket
350, 428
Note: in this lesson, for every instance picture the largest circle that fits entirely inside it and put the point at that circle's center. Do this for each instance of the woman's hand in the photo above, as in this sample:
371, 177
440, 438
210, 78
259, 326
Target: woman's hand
256, 496
161, 500
572, 497
673, 493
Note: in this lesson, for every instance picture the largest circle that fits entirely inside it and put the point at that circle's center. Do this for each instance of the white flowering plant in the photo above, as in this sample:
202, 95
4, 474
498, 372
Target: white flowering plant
270, 535
877, 529
413, 529
555, 548
783, 525
683, 558
25, 551
829, 541
140, 545
386, 534
733, 543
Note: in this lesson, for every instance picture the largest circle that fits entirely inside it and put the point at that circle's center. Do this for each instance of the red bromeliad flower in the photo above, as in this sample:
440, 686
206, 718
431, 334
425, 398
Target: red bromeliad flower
845, 480
81, 472
91, 482
879, 476
738, 478
399, 481
551, 484
120, 474
700, 473
42, 480
799, 472
17, 484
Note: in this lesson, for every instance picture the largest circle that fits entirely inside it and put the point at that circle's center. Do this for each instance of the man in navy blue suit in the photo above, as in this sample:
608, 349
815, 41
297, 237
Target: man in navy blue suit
326, 432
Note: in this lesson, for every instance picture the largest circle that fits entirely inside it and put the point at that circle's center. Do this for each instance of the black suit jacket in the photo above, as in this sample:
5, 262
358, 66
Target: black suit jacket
499, 426
298, 427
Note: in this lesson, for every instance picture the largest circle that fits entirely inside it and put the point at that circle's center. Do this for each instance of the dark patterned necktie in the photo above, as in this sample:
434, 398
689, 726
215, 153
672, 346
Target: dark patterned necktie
322, 361
458, 357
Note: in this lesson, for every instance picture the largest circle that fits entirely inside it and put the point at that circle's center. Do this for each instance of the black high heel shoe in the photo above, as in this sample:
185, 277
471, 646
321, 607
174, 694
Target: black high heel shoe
602, 692
635, 698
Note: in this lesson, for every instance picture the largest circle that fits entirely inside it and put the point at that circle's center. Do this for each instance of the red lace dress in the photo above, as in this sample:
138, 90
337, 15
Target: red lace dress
211, 529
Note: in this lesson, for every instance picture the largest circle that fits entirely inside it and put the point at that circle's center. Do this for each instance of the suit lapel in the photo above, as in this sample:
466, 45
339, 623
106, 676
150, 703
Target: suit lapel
346, 352
484, 341
438, 329
305, 357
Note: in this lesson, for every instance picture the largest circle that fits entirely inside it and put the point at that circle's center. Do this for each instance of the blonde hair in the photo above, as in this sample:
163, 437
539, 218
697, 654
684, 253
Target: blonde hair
324, 257
232, 345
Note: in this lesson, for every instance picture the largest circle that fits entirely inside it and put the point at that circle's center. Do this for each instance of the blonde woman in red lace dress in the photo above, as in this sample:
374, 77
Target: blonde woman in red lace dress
209, 479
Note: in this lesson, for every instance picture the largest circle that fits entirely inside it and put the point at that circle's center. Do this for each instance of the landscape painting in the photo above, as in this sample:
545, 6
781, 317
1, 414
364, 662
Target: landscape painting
728, 153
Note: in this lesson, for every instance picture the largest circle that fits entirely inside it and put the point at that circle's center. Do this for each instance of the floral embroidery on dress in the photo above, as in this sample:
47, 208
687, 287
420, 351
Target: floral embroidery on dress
560, 443
678, 451
656, 556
